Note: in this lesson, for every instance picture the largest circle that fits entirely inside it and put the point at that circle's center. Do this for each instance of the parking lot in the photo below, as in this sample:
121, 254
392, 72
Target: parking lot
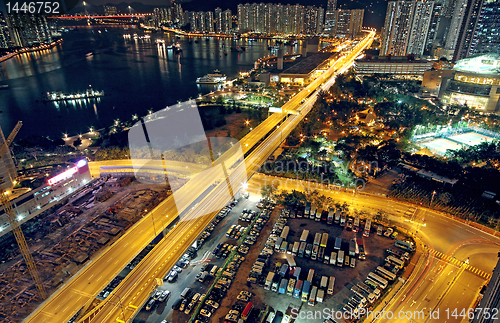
244, 277
186, 278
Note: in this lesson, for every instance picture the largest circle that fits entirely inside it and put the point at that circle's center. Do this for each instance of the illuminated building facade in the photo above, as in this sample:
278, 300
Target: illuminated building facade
476, 83
330, 16
346, 23
395, 65
28, 29
486, 38
58, 187
280, 19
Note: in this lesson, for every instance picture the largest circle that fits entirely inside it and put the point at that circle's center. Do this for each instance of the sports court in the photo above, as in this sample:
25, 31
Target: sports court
439, 146
471, 138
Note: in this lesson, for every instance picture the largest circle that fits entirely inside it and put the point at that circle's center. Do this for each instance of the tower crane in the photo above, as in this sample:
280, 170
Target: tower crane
14, 224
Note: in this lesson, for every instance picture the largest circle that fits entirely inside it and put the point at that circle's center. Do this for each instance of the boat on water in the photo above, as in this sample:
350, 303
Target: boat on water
59, 96
211, 78
4, 86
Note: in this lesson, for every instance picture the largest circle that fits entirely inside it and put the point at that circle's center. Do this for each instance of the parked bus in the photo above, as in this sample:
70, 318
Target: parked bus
246, 312
331, 283
324, 240
329, 219
379, 280
368, 226
355, 227
304, 235
385, 273
312, 296
284, 233
398, 262
310, 275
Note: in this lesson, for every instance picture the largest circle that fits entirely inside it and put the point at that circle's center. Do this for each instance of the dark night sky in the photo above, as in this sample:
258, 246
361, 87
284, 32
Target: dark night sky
374, 10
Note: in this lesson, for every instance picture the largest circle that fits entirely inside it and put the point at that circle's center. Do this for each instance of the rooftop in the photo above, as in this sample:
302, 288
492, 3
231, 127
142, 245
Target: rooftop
305, 65
392, 59
483, 64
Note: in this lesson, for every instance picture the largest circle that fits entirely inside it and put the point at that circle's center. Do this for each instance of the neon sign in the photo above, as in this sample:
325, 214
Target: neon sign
62, 176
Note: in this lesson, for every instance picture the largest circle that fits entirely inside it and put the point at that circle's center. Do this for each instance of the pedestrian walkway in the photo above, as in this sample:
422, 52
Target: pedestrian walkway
457, 262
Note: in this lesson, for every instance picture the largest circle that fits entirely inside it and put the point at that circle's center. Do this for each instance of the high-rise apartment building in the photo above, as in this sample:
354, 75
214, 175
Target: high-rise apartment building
467, 28
397, 28
280, 19
28, 29
227, 21
486, 37
422, 16
346, 23
330, 13
8, 171
457, 17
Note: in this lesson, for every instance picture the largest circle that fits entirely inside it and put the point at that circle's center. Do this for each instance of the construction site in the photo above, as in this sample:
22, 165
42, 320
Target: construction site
64, 239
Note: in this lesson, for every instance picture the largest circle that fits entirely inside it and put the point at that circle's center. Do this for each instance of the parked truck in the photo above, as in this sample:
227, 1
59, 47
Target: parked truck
340, 258
278, 243
269, 280
318, 215
342, 219
284, 233
291, 286
312, 296
327, 257
333, 258
320, 295
283, 286
304, 235
329, 219
295, 248
291, 261
317, 239
352, 248
337, 216
298, 289
307, 209
275, 283
324, 240
307, 253
312, 213
306, 286
296, 273
321, 254
314, 254
302, 249
324, 282
338, 243
310, 275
